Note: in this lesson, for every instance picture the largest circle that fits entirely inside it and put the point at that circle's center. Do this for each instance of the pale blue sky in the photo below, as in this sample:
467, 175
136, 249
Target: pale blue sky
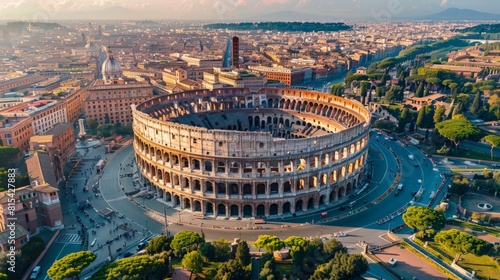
230, 9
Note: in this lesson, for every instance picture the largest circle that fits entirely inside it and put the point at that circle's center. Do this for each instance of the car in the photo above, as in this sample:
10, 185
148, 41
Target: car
495, 165
419, 181
396, 193
120, 215
35, 272
324, 214
142, 245
411, 157
416, 164
128, 254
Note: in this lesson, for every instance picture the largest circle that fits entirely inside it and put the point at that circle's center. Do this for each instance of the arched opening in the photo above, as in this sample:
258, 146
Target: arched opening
247, 211
221, 210
322, 200
274, 188
234, 211
261, 210
197, 185
261, 189
197, 206
333, 196
298, 206
286, 208
234, 189
247, 189
177, 200
209, 208
310, 203
273, 209
209, 187
187, 203
287, 187
208, 166
221, 188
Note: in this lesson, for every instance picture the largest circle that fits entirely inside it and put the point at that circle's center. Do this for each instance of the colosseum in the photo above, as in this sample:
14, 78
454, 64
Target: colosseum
234, 153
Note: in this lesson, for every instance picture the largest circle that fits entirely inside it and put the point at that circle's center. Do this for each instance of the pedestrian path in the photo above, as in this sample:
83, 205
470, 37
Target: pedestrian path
69, 238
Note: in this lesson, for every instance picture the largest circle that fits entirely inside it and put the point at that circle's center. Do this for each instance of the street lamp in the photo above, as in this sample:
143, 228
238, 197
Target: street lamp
166, 222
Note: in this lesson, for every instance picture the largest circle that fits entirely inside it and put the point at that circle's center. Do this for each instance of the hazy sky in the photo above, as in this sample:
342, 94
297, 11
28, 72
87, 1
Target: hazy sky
221, 10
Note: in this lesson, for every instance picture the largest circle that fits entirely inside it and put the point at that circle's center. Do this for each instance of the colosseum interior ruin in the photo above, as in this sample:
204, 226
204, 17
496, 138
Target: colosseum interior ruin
233, 153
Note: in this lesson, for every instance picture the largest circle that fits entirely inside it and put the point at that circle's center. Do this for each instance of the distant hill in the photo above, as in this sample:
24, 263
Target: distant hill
282, 26
461, 14
481, 28
290, 16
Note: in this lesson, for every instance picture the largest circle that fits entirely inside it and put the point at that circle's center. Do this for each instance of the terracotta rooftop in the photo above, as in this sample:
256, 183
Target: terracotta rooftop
40, 169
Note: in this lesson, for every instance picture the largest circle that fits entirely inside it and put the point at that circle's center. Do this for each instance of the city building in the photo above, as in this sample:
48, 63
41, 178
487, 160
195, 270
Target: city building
287, 76
235, 78
238, 153
109, 100
59, 142
36, 207
16, 132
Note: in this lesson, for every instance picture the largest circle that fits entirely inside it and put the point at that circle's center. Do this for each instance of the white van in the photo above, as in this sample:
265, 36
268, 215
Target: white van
411, 157
352, 203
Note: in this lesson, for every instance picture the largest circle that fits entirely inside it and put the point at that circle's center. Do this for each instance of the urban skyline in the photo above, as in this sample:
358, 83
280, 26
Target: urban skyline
230, 9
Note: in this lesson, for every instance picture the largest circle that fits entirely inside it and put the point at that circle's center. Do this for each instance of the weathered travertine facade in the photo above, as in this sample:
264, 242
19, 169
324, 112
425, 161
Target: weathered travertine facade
235, 153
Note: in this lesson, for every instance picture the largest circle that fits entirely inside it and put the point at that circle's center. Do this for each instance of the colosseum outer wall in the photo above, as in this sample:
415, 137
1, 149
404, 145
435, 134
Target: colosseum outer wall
242, 173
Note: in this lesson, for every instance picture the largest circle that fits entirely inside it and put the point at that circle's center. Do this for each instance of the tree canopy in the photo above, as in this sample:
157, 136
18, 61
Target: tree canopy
243, 254
133, 268
424, 219
231, 270
457, 129
185, 238
71, 265
269, 243
461, 242
159, 244
493, 140
193, 262
341, 267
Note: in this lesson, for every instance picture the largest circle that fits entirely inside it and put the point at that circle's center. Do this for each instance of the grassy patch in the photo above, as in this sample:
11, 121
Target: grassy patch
484, 266
488, 229
284, 268
393, 109
472, 155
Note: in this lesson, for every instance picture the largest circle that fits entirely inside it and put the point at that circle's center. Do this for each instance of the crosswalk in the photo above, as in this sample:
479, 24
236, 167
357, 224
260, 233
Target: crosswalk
69, 238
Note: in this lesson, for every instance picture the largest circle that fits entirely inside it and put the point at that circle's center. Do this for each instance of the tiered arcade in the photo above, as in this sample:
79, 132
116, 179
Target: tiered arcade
235, 153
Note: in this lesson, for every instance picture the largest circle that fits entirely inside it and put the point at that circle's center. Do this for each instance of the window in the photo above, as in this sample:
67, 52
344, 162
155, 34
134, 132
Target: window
220, 144
194, 140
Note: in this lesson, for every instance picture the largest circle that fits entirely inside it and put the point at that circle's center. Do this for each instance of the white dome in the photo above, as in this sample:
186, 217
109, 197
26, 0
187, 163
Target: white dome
111, 68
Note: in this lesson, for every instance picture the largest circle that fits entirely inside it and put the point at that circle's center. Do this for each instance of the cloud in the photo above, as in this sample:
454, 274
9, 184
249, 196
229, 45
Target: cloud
12, 4
272, 2
302, 3
444, 3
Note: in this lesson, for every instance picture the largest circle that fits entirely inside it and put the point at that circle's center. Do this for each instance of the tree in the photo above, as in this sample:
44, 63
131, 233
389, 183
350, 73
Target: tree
493, 140
20, 264
342, 267
3, 276
379, 91
420, 90
421, 116
426, 90
438, 114
297, 244
269, 271
243, 254
8, 155
185, 238
424, 219
135, 268
403, 120
159, 244
71, 265
476, 104
92, 124
460, 242
222, 250
332, 247
458, 109
32, 249
457, 129
193, 262
231, 270
269, 243
207, 250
